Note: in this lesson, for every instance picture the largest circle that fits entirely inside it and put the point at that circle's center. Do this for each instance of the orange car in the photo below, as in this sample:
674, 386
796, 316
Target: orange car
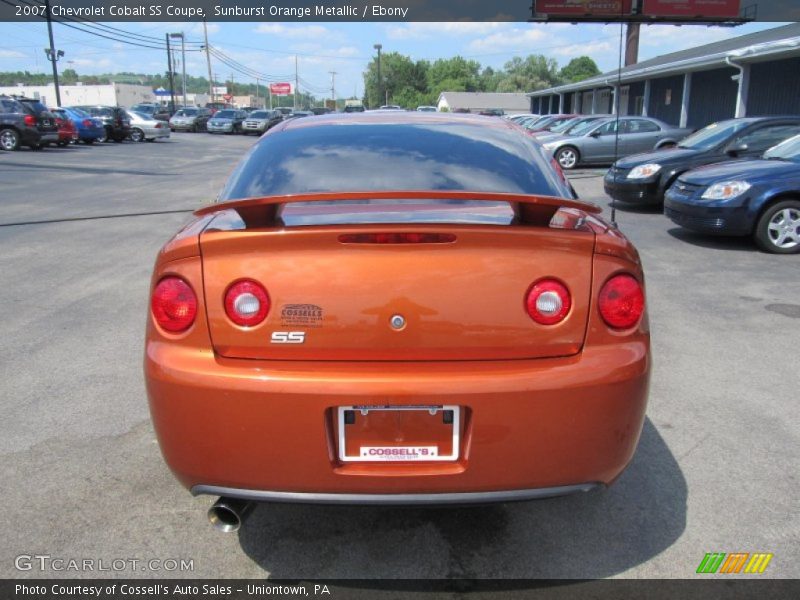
396, 308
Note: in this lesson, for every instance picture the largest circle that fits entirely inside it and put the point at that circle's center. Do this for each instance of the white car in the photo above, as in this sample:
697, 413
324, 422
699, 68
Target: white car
146, 128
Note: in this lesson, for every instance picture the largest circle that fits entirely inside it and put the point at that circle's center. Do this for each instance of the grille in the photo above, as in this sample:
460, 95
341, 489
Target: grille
690, 221
685, 189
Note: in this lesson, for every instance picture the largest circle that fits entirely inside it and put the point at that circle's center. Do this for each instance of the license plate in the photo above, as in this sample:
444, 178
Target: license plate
399, 433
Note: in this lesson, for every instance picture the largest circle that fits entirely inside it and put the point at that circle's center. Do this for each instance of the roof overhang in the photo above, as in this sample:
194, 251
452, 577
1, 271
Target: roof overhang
754, 53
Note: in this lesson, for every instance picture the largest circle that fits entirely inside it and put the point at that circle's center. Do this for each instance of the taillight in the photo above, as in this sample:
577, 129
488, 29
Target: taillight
30, 120
621, 301
87, 123
548, 302
397, 238
247, 303
159, 125
174, 304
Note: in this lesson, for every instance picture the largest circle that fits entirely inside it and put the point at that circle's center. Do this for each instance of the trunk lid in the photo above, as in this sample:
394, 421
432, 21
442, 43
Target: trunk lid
462, 300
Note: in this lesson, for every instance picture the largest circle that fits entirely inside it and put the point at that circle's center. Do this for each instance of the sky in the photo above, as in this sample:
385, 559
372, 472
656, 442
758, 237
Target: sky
270, 48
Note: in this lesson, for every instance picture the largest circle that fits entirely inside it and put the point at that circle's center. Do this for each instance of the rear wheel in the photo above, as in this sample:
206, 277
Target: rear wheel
63, 144
103, 136
9, 140
568, 157
88, 142
778, 229
137, 135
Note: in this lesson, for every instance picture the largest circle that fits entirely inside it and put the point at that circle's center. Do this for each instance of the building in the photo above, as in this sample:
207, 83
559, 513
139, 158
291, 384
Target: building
475, 102
750, 75
112, 94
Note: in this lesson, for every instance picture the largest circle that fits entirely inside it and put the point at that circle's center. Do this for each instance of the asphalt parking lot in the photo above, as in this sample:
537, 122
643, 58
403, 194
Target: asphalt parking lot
716, 469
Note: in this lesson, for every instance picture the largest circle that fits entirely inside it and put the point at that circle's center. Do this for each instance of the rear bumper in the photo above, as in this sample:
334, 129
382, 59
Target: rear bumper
266, 429
395, 499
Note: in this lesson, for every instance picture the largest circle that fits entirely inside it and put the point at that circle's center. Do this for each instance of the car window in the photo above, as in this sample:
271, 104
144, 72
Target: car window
786, 150
714, 134
11, 106
608, 128
259, 114
641, 126
225, 114
581, 127
765, 137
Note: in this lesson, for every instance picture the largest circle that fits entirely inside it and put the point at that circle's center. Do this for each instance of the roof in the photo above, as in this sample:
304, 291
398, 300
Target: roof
770, 41
397, 117
477, 100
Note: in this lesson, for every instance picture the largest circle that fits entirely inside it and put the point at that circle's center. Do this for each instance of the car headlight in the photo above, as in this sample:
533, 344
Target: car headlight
726, 190
644, 171
550, 145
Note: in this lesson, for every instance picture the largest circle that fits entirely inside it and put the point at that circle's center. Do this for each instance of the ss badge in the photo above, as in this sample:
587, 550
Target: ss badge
288, 337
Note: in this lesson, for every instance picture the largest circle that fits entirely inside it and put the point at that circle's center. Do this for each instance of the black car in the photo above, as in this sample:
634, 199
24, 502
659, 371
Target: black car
115, 121
644, 178
25, 122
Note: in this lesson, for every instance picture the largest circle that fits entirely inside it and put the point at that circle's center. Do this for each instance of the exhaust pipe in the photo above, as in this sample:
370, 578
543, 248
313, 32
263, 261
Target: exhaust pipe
228, 514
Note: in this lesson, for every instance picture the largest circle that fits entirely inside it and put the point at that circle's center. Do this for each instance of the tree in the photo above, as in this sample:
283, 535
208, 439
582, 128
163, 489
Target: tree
402, 78
534, 72
464, 74
579, 69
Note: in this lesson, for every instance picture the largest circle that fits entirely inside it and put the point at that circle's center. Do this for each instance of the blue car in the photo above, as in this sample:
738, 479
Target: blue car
744, 197
90, 129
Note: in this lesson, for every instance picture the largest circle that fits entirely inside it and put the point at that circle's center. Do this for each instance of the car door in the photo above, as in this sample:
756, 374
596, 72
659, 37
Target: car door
756, 140
599, 144
639, 135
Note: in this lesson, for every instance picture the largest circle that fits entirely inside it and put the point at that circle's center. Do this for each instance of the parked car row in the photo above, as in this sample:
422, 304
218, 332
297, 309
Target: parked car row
232, 120
735, 177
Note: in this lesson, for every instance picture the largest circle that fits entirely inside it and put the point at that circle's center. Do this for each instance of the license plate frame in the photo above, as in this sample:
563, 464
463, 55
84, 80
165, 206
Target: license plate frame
439, 409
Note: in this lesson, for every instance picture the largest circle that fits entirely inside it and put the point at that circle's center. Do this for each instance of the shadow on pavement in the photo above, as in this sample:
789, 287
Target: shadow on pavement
645, 209
591, 535
716, 242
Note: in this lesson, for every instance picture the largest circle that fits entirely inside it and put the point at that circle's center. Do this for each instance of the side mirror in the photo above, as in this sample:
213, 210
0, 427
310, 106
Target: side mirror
595, 134
736, 149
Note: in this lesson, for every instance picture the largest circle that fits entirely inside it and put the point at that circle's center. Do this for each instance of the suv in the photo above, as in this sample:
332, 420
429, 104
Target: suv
115, 120
25, 122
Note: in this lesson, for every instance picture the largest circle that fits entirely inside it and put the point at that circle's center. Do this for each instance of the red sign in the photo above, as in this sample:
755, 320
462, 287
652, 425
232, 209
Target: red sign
280, 89
228, 97
584, 8
691, 8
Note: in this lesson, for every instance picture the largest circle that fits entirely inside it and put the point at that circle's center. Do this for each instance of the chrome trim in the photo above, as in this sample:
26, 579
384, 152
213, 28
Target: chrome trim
395, 499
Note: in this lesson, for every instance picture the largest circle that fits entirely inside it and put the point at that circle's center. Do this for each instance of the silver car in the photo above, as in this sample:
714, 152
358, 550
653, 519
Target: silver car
260, 121
146, 128
190, 119
597, 142
228, 120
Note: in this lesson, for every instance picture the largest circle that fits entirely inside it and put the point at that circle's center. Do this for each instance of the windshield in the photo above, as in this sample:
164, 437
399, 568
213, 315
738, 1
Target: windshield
714, 134
786, 150
565, 126
140, 115
259, 114
143, 108
583, 127
225, 114
187, 112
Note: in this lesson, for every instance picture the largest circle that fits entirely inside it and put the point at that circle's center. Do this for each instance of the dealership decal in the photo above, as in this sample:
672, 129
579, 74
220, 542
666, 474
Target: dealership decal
301, 315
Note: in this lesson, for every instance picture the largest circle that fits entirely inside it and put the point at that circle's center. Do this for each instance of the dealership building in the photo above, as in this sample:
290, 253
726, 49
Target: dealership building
751, 75
112, 94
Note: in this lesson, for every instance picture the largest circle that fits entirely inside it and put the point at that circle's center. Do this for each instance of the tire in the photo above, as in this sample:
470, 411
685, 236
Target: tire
778, 228
88, 142
137, 135
568, 157
63, 144
9, 140
103, 137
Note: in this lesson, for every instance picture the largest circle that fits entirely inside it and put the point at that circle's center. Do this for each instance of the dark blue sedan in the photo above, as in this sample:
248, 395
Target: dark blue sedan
744, 197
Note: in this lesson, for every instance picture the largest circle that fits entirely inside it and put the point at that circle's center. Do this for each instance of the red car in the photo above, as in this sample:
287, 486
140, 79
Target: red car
67, 132
396, 308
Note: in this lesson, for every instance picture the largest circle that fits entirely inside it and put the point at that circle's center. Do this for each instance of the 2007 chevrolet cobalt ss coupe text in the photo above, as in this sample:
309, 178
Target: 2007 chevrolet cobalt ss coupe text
396, 308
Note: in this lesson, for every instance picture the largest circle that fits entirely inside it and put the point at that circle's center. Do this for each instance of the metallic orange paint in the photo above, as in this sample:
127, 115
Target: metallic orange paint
561, 405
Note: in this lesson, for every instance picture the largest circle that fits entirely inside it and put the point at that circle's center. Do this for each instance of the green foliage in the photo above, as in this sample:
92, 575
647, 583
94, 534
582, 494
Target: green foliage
579, 69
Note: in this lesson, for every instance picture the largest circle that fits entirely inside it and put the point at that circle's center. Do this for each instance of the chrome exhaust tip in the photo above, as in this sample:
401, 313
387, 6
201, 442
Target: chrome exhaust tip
228, 514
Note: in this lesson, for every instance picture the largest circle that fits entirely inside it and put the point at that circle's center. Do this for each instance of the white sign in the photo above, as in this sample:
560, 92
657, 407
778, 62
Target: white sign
223, 89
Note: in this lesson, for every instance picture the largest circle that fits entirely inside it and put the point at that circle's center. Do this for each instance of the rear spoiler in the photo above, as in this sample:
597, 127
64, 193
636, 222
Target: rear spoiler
531, 209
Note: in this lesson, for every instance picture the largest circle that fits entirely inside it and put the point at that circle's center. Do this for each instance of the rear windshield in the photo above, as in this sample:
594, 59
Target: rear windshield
37, 106
363, 155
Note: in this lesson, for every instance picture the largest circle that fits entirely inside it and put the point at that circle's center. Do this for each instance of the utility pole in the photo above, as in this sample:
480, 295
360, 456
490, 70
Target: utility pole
257, 94
171, 78
296, 81
208, 60
183, 60
52, 54
632, 44
333, 88
380, 81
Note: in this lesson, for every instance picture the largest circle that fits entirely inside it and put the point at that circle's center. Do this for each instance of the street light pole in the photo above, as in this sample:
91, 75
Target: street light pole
52, 54
380, 81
